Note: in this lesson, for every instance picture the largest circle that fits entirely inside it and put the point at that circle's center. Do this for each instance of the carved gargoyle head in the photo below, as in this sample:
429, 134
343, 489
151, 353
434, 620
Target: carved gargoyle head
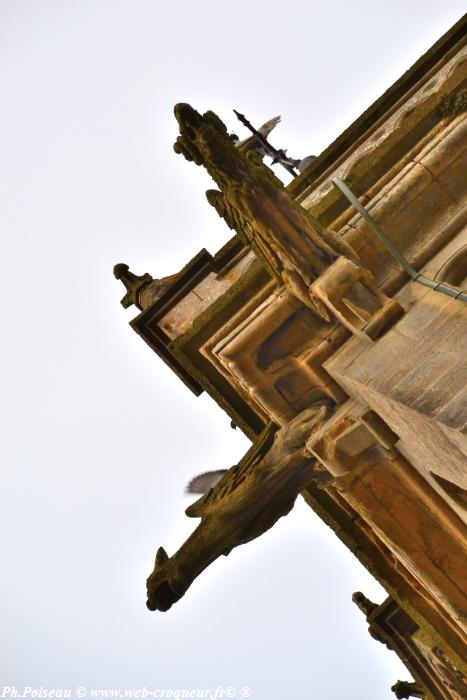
406, 689
245, 502
161, 585
204, 139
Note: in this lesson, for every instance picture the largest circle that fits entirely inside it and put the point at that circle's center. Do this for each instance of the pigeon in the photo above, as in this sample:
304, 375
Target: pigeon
304, 163
206, 481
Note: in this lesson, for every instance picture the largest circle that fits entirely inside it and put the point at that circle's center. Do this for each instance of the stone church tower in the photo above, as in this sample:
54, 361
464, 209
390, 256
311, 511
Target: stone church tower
335, 337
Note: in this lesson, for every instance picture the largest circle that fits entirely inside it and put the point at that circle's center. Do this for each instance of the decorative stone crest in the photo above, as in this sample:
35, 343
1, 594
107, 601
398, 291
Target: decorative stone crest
364, 604
142, 290
134, 284
404, 689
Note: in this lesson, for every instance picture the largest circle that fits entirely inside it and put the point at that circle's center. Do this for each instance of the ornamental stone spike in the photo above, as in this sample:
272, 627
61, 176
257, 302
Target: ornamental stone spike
134, 284
364, 603
406, 689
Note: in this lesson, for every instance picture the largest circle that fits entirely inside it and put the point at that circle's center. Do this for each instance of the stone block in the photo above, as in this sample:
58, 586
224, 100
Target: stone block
351, 294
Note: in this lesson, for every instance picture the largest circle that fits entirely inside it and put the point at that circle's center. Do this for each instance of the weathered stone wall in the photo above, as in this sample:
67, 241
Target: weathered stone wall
415, 379
205, 293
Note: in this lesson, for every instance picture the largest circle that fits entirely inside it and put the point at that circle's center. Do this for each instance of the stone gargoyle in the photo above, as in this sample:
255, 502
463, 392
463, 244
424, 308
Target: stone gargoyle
247, 501
285, 237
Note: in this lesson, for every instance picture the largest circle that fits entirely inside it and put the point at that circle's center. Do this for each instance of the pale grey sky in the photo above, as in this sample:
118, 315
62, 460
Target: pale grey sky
99, 437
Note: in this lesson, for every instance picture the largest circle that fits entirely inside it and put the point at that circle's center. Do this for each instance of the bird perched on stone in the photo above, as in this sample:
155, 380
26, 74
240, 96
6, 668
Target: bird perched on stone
304, 162
252, 142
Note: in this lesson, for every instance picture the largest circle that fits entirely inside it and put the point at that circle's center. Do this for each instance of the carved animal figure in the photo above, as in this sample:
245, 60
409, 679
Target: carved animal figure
252, 200
247, 501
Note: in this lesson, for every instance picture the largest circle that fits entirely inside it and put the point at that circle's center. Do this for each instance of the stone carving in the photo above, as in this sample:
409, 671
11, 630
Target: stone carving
368, 608
352, 295
246, 502
282, 233
343, 442
134, 284
363, 603
231, 217
443, 665
451, 677
404, 689
285, 237
235, 221
142, 290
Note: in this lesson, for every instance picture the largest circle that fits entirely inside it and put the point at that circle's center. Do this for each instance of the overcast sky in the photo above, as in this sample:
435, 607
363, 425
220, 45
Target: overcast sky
99, 437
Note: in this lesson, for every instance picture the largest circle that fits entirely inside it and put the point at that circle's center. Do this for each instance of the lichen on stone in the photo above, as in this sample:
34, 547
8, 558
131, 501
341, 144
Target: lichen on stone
455, 103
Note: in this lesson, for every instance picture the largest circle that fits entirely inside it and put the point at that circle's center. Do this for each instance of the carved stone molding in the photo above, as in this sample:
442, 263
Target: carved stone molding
384, 488
351, 294
273, 351
344, 439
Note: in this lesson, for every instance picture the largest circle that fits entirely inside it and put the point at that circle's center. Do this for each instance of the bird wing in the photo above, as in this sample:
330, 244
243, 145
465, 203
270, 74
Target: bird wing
203, 482
264, 130
268, 126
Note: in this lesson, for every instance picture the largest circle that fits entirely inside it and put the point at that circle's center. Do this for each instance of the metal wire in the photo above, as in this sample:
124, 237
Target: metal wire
415, 276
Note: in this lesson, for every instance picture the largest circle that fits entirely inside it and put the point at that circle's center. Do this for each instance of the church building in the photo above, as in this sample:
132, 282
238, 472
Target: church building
332, 329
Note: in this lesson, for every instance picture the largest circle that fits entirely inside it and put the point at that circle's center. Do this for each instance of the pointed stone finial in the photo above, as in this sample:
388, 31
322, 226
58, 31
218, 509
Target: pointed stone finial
364, 603
405, 689
134, 284
161, 557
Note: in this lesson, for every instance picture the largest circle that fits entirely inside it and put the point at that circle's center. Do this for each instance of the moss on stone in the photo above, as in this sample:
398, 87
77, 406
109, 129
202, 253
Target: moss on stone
455, 103
365, 123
